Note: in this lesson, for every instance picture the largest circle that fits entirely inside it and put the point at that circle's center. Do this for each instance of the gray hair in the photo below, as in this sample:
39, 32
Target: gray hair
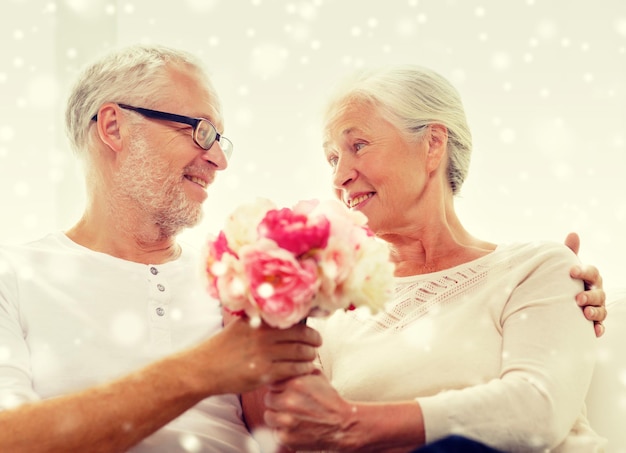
132, 75
412, 97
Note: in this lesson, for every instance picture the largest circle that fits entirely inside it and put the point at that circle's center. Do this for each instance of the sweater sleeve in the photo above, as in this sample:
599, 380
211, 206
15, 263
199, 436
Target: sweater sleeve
548, 352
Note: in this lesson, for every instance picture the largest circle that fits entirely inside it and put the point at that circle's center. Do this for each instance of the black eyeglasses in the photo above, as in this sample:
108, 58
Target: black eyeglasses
204, 133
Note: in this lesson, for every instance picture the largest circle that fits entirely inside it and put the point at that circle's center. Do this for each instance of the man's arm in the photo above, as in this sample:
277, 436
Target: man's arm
117, 415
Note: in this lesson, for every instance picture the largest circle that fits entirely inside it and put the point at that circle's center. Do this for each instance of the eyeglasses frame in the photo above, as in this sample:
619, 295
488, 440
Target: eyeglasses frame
191, 121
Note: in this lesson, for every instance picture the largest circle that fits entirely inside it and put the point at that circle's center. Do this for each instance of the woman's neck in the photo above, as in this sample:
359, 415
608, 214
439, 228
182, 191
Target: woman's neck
438, 243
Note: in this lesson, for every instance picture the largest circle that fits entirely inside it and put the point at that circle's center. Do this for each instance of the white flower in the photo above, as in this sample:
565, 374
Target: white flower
241, 225
372, 278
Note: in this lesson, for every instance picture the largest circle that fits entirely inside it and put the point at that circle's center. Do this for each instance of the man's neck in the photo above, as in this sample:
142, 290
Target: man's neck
141, 245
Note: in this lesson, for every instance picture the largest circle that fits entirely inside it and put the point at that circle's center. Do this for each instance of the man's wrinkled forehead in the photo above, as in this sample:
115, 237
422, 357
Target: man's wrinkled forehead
195, 95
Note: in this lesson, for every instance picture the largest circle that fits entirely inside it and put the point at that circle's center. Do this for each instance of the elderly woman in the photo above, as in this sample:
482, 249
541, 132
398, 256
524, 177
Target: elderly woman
480, 340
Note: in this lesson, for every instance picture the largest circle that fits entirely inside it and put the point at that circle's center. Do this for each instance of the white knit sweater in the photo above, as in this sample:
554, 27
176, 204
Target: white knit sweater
495, 349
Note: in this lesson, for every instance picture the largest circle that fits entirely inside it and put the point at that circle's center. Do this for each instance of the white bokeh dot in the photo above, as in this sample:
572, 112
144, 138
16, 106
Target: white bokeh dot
176, 314
190, 443
479, 11
232, 181
129, 8
201, 6
501, 61
405, 27
5, 353
55, 175
268, 60
243, 117
18, 34
372, 22
3, 77
6, 133
563, 171
620, 26
355, 31
546, 29
71, 53
507, 135
307, 11
127, 328
299, 31
458, 76
21, 189
85, 8
42, 91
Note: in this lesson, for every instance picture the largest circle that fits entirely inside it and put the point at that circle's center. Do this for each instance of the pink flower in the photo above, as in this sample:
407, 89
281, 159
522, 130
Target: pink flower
216, 249
335, 262
294, 231
219, 246
282, 265
281, 286
231, 285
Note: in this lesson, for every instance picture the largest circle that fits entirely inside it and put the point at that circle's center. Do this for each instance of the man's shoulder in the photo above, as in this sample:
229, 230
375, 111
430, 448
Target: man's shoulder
49, 242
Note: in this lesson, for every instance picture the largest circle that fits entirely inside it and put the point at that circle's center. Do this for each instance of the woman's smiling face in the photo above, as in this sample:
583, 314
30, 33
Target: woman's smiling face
377, 169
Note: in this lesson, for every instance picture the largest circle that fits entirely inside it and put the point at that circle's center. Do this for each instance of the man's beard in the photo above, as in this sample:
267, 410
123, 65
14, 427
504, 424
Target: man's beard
145, 184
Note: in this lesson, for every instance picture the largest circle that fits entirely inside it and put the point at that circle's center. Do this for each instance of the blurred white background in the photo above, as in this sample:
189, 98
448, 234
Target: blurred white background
544, 84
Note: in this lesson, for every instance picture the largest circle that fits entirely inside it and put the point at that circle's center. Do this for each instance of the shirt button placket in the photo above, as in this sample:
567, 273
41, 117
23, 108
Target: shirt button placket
159, 300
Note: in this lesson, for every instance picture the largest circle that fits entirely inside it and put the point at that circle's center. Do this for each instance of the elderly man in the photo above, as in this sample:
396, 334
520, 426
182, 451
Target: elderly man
108, 339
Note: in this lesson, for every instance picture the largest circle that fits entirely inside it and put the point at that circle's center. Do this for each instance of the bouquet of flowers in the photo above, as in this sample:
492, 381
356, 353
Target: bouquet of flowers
282, 265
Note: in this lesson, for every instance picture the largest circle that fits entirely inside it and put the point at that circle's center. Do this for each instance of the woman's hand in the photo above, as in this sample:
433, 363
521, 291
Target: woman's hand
593, 299
308, 413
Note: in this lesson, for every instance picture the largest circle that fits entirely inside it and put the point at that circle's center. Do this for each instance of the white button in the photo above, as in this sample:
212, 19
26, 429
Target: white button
160, 311
154, 270
160, 287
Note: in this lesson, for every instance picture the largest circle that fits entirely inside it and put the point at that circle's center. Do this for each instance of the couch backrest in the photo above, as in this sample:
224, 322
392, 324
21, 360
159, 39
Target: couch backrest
606, 400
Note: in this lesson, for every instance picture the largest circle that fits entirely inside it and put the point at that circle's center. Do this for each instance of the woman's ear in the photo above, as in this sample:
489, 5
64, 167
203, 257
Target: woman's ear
437, 146
109, 126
